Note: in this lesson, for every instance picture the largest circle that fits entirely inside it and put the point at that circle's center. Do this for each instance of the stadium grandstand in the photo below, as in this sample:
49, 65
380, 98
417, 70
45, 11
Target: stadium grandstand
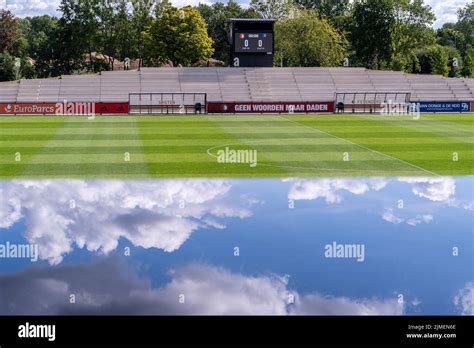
223, 90
236, 85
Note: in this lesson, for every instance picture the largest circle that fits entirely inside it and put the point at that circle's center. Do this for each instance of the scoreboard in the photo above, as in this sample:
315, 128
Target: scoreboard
252, 42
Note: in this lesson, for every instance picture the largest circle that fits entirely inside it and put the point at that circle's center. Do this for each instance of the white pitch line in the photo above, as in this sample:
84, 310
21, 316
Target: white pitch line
362, 147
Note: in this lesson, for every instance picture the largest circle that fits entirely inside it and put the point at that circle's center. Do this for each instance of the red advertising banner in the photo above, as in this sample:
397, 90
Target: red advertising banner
63, 108
271, 107
111, 108
28, 109
472, 106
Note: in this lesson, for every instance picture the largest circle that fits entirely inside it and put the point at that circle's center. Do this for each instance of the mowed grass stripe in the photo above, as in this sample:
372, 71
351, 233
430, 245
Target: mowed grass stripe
463, 119
210, 168
273, 157
209, 135
182, 145
422, 150
444, 144
430, 127
177, 146
18, 163
78, 161
199, 149
347, 147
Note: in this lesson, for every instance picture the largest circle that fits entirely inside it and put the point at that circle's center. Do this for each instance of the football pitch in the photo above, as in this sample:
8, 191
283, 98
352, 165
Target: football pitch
220, 146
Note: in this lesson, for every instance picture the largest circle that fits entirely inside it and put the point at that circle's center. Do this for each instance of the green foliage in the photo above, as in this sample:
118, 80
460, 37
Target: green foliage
272, 9
371, 32
141, 19
382, 34
448, 35
8, 31
433, 60
411, 30
465, 25
7, 67
76, 35
307, 40
329, 8
468, 66
179, 36
39, 34
27, 70
218, 18
453, 56
394, 30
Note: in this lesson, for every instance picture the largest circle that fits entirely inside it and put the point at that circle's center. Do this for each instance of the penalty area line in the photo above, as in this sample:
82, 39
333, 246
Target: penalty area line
363, 147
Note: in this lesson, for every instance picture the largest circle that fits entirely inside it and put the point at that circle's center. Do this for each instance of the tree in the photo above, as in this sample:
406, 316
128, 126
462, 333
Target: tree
337, 12
8, 31
371, 32
272, 9
307, 40
141, 19
179, 36
468, 64
386, 33
411, 30
433, 60
453, 56
448, 35
329, 8
465, 25
105, 15
7, 67
39, 33
466, 20
126, 41
77, 34
218, 18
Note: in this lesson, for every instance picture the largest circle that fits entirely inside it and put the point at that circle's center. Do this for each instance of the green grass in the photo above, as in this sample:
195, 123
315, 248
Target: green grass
182, 146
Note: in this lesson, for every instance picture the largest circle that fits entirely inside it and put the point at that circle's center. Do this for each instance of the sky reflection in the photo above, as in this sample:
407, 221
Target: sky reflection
239, 246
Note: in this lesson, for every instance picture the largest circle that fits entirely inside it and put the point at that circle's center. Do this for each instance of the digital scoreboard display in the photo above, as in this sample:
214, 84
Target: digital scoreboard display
248, 42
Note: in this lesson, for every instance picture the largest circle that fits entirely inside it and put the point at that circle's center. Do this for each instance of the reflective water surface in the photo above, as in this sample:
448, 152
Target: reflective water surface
293, 246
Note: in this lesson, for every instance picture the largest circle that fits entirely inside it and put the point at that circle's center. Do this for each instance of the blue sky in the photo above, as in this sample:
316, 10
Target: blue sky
445, 10
182, 235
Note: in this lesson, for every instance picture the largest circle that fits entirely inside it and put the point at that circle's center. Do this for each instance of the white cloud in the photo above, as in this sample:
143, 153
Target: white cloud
321, 305
329, 189
96, 214
464, 299
391, 217
207, 290
445, 10
182, 3
10, 210
468, 205
25, 8
420, 219
434, 189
